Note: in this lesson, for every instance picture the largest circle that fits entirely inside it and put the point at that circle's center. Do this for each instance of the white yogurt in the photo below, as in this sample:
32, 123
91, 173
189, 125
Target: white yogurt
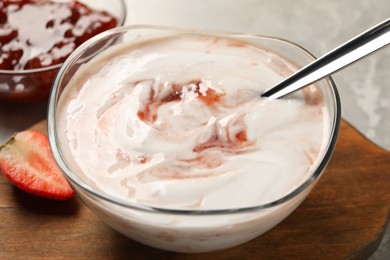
178, 122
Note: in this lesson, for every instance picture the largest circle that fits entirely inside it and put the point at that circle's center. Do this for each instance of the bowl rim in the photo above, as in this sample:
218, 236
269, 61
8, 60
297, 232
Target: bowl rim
121, 21
55, 146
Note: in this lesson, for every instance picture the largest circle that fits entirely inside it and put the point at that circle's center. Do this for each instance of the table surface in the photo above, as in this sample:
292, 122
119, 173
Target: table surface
316, 25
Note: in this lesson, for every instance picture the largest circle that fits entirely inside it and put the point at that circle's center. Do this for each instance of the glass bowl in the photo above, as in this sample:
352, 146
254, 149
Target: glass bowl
175, 229
34, 85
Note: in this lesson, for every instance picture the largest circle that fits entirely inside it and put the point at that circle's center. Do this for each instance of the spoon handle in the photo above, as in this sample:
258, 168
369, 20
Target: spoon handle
355, 49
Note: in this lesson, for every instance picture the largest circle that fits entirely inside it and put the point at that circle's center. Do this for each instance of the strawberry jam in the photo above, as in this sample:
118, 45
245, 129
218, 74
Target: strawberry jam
41, 33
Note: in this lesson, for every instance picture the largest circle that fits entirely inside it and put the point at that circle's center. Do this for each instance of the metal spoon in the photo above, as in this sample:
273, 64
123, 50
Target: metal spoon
355, 49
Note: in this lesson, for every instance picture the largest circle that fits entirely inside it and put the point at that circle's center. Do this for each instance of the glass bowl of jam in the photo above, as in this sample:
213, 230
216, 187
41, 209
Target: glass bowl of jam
36, 37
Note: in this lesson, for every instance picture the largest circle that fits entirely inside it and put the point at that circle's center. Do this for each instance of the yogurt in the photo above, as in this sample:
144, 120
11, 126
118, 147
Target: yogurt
178, 122
166, 138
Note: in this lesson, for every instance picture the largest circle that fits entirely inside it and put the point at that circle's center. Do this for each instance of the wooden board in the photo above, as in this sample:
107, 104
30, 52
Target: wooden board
343, 217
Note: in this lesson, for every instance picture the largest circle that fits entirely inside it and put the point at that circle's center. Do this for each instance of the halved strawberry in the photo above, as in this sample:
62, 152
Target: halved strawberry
26, 160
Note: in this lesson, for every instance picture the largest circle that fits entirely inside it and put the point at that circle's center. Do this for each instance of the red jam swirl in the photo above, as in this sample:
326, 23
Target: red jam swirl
36, 34
149, 113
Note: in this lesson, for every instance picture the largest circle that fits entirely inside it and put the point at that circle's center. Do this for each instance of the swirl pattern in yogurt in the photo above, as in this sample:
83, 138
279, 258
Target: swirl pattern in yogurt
178, 122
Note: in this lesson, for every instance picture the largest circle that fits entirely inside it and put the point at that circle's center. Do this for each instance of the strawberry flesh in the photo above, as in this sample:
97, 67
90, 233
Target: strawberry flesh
27, 162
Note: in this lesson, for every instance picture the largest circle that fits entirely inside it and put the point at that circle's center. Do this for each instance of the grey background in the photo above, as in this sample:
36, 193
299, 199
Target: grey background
318, 26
